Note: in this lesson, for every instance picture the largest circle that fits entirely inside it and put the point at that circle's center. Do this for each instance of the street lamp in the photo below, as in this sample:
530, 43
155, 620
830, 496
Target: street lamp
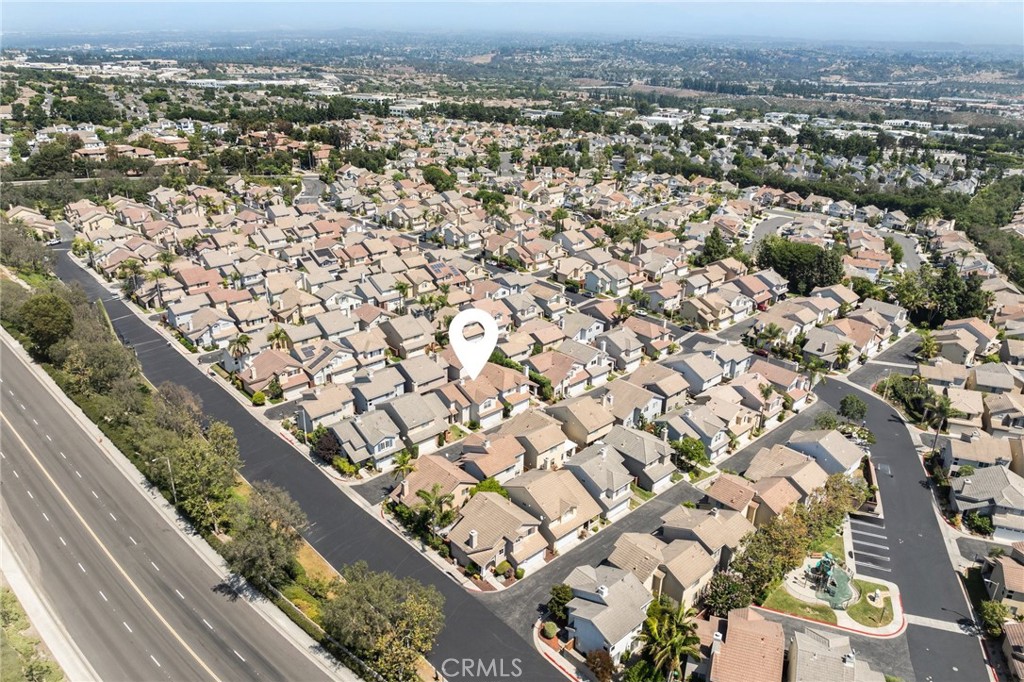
993, 582
174, 491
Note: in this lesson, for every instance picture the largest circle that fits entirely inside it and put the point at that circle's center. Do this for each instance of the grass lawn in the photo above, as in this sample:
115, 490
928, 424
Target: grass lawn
866, 613
698, 474
781, 600
456, 432
833, 544
975, 587
315, 565
640, 492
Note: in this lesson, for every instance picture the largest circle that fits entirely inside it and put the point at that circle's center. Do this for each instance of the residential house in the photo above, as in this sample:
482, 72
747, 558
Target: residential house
541, 436
816, 655
679, 569
995, 492
431, 471
608, 610
584, 419
325, 406
975, 449
369, 440
501, 457
373, 387
421, 419
830, 449
601, 471
565, 509
719, 531
491, 530
408, 335
647, 457
752, 650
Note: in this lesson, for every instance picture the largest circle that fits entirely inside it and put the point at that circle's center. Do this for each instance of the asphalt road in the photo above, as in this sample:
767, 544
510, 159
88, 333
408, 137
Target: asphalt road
918, 560
132, 594
339, 529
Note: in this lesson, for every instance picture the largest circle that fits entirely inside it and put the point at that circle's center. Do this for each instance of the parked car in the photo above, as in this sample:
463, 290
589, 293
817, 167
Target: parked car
55, 241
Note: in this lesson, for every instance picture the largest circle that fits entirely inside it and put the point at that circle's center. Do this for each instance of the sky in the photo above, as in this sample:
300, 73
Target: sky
972, 22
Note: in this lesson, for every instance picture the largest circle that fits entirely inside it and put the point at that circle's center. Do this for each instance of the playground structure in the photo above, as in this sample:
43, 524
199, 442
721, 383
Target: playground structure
832, 583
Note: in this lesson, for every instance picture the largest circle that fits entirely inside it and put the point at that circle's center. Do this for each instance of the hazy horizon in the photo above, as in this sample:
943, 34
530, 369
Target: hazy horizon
965, 23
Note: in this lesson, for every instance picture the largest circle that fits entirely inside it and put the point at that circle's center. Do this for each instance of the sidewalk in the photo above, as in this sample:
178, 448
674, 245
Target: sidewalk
267, 610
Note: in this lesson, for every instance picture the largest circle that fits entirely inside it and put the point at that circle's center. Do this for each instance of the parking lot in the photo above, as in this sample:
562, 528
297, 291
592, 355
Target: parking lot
870, 547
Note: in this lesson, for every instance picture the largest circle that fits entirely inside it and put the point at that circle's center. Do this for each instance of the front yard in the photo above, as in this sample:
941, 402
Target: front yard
782, 600
865, 612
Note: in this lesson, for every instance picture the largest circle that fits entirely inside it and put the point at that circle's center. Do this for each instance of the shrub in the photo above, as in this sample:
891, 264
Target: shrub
520, 572
503, 568
259, 399
978, 523
550, 630
344, 467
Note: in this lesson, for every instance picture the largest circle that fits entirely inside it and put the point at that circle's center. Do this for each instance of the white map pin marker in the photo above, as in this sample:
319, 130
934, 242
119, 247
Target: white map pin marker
473, 354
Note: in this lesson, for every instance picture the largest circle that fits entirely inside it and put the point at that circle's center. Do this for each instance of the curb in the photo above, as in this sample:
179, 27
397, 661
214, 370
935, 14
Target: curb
546, 653
863, 633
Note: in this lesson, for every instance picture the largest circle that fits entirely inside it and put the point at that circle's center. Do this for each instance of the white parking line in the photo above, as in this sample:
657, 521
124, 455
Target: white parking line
880, 526
857, 553
868, 544
874, 535
864, 564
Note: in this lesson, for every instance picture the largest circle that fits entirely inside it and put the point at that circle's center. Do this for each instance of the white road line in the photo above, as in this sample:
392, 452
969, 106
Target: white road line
94, 494
207, 624
34, 421
179, 594
22, 405
46, 517
48, 438
81, 566
857, 553
30, 494
126, 626
3, 456
11, 392
880, 526
63, 455
62, 541
15, 472
154, 565
864, 564
868, 544
104, 596
874, 535
112, 515
77, 473
133, 540
156, 661
239, 656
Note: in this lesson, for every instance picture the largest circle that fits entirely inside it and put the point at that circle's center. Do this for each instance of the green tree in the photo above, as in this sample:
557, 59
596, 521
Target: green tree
130, 272
670, 638
689, 452
725, 592
929, 347
844, 353
895, 249
239, 346
489, 485
389, 621
561, 594
441, 180
278, 337
715, 248
405, 464
204, 473
993, 615
826, 421
853, 407
266, 535
436, 507
46, 319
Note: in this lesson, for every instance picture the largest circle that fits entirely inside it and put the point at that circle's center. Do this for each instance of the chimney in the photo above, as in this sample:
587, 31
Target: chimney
405, 488
717, 637
608, 400
602, 591
369, 374
526, 372
604, 345
472, 539
487, 443
850, 660
664, 434
714, 512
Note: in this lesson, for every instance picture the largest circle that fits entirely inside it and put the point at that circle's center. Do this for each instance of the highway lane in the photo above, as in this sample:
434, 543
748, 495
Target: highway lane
146, 606
339, 529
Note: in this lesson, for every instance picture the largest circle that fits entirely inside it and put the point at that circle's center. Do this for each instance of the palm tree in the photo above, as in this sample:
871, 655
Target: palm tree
404, 465
166, 258
929, 346
129, 271
189, 244
670, 638
239, 345
279, 338
436, 507
155, 276
843, 353
403, 289
623, 310
939, 408
766, 393
772, 333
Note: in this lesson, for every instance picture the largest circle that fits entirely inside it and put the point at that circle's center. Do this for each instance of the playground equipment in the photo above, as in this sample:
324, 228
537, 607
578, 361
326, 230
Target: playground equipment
832, 583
